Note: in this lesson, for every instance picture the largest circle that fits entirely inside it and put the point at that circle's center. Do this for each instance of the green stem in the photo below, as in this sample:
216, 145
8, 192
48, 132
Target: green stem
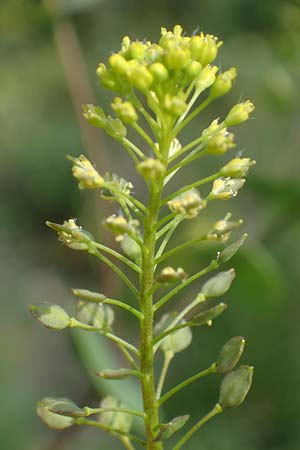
183, 384
180, 247
127, 443
193, 114
146, 138
216, 410
212, 266
116, 269
90, 411
74, 323
146, 302
129, 308
128, 356
212, 177
168, 356
117, 255
92, 423
168, 236
130, 145
128, 197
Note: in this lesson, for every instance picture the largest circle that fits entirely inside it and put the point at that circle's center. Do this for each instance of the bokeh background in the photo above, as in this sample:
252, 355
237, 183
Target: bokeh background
49, 52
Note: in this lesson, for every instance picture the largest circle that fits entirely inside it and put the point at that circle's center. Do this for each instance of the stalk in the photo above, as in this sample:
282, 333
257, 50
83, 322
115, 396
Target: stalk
146, 305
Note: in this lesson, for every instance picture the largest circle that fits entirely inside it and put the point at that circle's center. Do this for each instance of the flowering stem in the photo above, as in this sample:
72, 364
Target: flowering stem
193, 114
180, 247
168, 356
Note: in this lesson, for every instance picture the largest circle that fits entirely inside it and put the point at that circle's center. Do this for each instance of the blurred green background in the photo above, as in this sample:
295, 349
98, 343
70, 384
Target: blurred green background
49, 52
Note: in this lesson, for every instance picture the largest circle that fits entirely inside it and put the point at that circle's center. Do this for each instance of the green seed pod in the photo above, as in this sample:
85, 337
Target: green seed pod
51, 316
206, 317
115, 128
66, 407
94, 115
223, 83
118, 420
239, 113
230, 354
51, 419
219, 284
117, 374
166, 430
131, 248
89, 296
231, 250
235, 386
98, 315
177, 341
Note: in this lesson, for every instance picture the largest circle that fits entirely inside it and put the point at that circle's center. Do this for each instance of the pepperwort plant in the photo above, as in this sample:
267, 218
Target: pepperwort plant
162, 88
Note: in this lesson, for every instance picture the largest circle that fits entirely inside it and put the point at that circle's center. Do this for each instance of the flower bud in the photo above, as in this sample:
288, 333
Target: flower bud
193, 69
174, 105
159, 72
151, 169
219, 284
118, 63
124, 110
51, 316
166, 430
115, 128
230, 354
131, 248
204, 48
226, 188
89, 296
137, 50
94, 115
223, 83
154, 53
237, 167
169, 275
206, 317
117, 374
51, 419
231, 250
140, 77
107, 77
235, 386
118, 420
98, 315
206, 78
188, 204
85, 173
239, 113
177, 57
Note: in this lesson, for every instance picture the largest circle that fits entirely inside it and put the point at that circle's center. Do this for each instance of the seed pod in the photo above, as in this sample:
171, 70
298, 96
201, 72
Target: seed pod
117, 374
97, 315
206, 317
66, 407
89, 296
51, 419
166, 430
235, 386
230, 354
131, 248
219, 284
94, 115
118, 420
231, 250
51, 316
